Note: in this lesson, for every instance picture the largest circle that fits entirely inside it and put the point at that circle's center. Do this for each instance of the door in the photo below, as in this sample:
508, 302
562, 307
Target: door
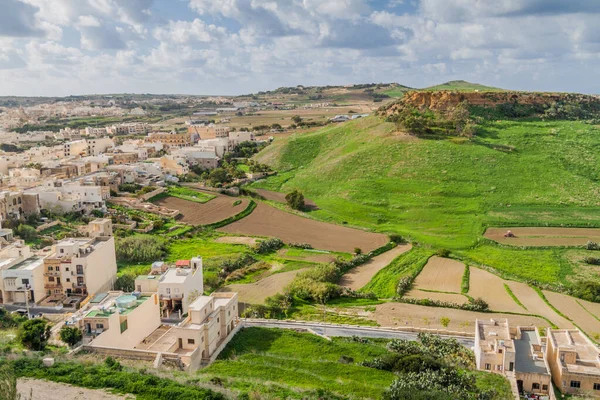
88, 328
511, 366
180, 343
520, 386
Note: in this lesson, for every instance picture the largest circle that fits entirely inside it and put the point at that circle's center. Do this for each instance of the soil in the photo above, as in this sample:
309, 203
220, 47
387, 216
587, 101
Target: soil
359, 276
248, 241
215, 210
535, 305
568, 305
531, 236
442, 274
491, 289
400, 314
46, 390
269, 221
450, 297
280, 198
256, 293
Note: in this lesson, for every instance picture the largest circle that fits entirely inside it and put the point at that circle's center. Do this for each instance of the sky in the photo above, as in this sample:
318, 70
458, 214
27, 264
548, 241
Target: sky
70, 47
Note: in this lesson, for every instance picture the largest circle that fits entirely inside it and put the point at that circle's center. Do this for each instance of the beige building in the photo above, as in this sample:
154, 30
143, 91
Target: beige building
174, 165
574, 361
177, 287
80, 266
170, 139
517, 353
209, 131
121, 321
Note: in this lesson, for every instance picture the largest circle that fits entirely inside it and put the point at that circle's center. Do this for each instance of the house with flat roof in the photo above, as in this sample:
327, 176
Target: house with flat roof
574, 361
515, 352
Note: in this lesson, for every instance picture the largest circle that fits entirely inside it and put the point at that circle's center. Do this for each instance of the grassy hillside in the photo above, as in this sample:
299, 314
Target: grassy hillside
445, 192
463, 86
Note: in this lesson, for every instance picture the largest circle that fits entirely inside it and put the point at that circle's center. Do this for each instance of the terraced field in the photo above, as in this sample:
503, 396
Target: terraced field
212, 211
491, 288
441, 274
544, 236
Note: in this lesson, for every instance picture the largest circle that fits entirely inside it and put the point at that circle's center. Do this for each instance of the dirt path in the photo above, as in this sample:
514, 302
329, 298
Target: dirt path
46, 390
535, 305
256, 293
400, 314
248, 241
270, 221
450, 297
359, 276
569, 306
442, 274
491, 289
215, 210
280, 198
532, 236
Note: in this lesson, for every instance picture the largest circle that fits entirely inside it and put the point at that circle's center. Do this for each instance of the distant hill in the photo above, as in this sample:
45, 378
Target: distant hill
464, 86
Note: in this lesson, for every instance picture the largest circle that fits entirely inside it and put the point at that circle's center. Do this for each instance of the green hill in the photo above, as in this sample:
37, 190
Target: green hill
444, 192
464, 86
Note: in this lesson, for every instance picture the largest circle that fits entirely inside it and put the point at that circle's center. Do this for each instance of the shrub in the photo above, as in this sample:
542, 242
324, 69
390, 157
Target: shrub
70, 335
268, 246
295, 200
404, 285
587, 290
592, 246
125, 282
592, 260
357, 250
442, 253
397, 239
26, 232
140, 248
445, 321
305, 246
34, 334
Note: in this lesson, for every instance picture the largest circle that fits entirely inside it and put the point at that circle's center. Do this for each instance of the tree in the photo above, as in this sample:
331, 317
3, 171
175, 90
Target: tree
34, 334
125, 282
27, 233
295, 200
297, 119
140, 248
70, 335
460, 116
218, 176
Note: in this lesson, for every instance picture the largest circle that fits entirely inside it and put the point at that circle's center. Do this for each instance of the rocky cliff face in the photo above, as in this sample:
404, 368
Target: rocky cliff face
445, 100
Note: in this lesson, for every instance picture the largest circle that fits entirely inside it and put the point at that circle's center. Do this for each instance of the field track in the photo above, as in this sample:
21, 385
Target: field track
491, 289
359, 276
443, 274
544, 236
210, 212
270, 221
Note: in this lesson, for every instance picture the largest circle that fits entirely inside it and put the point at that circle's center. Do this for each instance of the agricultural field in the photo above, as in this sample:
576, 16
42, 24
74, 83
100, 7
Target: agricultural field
280, 198
444, 193
215, 210
269, 221
256, 293
441, 274
456, 298
492, 289
537, 236
360, 276
575, 310
534, 304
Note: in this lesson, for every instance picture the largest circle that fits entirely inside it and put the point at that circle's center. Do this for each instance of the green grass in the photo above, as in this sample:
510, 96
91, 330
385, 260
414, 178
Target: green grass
444, 192
295, 360
186, 193
385, 281
464, 285
514, 297
464, 86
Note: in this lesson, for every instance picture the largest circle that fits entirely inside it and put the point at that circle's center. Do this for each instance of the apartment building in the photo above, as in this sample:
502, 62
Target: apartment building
91, 131
21, 271
75, 148
177, 286
128, 129
99, 145
64, 171
574, 361
120, 320
18, 204
63, 197
515, 352
80, 266
174, 165
210, 131
196, 156
171, 139
120, 158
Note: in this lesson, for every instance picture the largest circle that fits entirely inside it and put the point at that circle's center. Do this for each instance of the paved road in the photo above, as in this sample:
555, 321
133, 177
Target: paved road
345, 331
35, 310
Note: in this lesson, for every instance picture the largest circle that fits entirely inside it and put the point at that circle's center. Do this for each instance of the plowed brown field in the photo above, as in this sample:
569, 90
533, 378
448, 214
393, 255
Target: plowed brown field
256, 293
544, 236
210, 212
569, 306
269, 221
442, 274
491, 289
535, 305
280, 198
450, 297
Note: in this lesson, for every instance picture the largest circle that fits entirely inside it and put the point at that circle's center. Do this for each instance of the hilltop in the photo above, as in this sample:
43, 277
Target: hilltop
464, 86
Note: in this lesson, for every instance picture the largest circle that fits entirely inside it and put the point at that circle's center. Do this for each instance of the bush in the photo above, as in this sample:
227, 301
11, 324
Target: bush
592, 260
140, 248
306, 246
34, 334
268, 246
26, 232
70, 335
587, 290
125, 282
295, 200
397, 239
442, 253
592, 246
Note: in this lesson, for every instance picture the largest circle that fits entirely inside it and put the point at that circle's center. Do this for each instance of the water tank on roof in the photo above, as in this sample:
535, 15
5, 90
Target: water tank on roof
126, 301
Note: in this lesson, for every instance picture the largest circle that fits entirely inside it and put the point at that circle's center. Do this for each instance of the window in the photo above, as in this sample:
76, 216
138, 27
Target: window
575, 384
217, 319
99, 326
68, 279
544, 387
488, 366
62, 251
50, 269
499, 351
535, 386
168, 290
25, 281
50, 279
596, 386
228, 313
67, 269
191, 341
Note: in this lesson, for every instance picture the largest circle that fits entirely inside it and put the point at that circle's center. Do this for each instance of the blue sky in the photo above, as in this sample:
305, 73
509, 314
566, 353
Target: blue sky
63, 47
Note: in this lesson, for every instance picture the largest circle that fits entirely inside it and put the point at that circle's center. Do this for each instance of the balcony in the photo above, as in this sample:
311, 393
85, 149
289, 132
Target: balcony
52, 285
52, 273
173, 296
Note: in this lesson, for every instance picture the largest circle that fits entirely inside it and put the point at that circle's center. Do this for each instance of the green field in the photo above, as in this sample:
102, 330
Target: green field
189, 194
463, 86
444, 192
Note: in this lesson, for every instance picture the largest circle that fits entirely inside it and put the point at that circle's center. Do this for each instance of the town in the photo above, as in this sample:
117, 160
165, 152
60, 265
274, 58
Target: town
299, 200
